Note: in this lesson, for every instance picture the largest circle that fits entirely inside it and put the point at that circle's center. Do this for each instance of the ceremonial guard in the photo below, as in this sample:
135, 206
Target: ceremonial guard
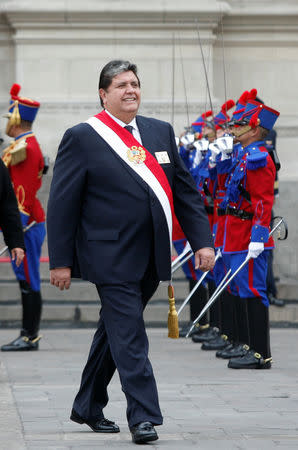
226, 156
270, 143
195, 162
271, 285
25, 163
220, 121
248, 204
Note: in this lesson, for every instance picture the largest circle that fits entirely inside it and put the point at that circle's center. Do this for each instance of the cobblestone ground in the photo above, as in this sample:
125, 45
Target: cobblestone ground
205, 404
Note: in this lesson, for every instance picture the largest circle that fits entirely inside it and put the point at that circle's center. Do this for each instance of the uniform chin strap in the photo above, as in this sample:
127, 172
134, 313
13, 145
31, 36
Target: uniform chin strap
241, 130
254, 122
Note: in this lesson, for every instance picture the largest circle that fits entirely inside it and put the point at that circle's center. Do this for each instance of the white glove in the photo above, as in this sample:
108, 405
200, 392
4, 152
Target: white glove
187, 140
255, 249
225, 144
201, 145
214, 152
197, 158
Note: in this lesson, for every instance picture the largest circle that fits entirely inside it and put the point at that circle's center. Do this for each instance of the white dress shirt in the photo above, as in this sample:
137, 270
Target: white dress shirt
133, 123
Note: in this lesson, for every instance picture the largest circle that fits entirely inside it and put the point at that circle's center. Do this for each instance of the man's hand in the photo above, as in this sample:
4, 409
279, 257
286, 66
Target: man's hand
60, 277
205, 259
17, 255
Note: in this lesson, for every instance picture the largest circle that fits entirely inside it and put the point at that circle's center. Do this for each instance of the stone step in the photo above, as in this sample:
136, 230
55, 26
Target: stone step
6, 272
80, 291
80, 314
79, 306
287, 289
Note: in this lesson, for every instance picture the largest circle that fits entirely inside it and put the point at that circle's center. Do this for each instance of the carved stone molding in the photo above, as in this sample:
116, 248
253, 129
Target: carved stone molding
286, 126
146, 108
106, 21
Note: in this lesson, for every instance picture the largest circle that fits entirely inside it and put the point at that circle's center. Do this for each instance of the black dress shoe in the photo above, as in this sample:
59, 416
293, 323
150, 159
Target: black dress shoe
206, 335
251, 360
228, 347
233, 351
276, 301
21, 344
218, 343
143, 432
183, 332
101, 425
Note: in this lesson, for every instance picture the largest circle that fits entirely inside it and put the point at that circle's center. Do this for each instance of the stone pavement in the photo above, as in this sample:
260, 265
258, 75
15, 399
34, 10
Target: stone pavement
205, 405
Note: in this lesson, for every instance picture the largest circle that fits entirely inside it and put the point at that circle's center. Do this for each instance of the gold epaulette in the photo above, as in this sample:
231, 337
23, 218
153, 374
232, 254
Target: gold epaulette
15, 153
19, 152
6, 157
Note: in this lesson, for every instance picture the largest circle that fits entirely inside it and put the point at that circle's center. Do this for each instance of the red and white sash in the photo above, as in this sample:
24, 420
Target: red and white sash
121, 141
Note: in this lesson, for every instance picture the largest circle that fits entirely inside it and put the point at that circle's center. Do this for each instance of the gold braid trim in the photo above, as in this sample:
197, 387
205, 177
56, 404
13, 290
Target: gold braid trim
21, 195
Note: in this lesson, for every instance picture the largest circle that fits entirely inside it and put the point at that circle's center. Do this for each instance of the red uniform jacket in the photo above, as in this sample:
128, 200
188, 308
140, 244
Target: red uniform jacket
256, 174
26, 177
223, 171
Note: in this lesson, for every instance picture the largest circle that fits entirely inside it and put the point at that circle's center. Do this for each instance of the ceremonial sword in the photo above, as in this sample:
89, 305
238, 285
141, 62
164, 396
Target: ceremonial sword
3, 250
218, 255
219, 291
184, 256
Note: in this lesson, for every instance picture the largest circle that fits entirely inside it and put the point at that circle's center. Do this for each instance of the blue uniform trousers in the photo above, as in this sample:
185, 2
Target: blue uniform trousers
121, 342
29, 270
251, 280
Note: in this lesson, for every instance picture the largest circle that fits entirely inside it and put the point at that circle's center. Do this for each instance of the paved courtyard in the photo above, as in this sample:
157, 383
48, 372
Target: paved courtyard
205, 405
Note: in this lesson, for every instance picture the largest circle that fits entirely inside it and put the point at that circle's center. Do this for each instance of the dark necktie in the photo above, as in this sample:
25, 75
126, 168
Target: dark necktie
129, 128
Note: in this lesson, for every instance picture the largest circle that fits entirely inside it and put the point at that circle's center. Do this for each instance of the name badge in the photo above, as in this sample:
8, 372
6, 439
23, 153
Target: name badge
162, 158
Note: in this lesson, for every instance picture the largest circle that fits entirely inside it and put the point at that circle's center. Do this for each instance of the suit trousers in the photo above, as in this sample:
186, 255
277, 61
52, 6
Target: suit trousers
121, 342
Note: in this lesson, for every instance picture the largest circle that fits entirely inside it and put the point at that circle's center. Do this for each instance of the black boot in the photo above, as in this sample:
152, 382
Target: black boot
21, 344
233, 351
251, 360
32, 304
198, 301
275, 301
183, 331
206, 334
228, 315
258, 319
215, 309
241, 320
220, 342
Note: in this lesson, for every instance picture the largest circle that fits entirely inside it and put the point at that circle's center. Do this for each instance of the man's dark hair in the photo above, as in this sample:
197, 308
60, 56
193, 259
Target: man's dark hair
112, 69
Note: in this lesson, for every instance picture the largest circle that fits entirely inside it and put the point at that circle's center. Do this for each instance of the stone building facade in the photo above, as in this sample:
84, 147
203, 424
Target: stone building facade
55, 50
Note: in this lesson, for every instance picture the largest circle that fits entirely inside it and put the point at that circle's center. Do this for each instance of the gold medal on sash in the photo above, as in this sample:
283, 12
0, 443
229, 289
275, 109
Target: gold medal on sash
136, 154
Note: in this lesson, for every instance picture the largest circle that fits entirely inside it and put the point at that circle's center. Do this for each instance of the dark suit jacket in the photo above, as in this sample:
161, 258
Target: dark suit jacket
10, 221
103, 219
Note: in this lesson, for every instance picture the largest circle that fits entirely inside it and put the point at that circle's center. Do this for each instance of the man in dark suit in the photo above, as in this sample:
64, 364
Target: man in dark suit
112, 198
